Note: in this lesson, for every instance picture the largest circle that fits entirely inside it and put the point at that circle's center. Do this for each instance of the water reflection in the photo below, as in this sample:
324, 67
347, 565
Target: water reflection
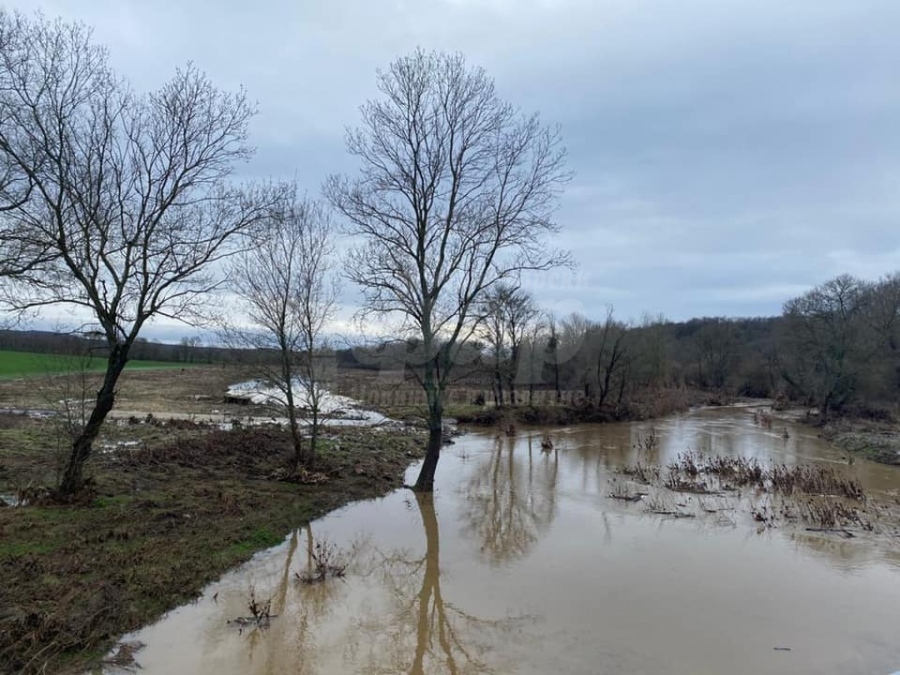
525, 564
511, 498
422, 632
288, 643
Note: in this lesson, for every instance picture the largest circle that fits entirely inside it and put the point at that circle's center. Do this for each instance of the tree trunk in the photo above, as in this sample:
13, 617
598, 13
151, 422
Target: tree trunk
72, 479
296, 437
498, 384
556, 379
511, 376
604, 385
425, 481
621, 396
511, 388
287, 377
314, 433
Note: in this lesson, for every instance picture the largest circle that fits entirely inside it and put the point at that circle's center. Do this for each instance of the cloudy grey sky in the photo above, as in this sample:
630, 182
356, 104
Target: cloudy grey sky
729, 154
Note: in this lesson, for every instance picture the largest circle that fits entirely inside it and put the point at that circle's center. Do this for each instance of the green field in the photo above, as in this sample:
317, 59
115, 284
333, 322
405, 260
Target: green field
24, 364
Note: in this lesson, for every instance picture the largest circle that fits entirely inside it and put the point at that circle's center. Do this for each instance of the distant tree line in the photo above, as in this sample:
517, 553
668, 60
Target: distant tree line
835, 349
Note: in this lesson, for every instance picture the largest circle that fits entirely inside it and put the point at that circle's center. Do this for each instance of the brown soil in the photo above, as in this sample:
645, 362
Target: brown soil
199, 390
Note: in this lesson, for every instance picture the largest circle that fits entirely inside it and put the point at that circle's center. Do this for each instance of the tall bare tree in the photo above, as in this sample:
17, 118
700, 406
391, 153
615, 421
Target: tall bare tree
552, 355
509, 313
531, 358
572, 359
611, 351
456, 194
823, 343
716, 344
131, 194
288, 293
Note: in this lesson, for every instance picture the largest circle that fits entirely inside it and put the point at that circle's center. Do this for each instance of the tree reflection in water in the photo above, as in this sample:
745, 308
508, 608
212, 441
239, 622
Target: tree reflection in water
422, 632
288, 644
512, 499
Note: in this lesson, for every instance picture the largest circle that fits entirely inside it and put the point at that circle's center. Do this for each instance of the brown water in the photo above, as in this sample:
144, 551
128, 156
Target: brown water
522, 563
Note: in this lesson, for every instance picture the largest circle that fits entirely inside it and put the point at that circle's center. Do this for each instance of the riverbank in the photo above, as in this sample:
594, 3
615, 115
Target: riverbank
650, 404
168, 512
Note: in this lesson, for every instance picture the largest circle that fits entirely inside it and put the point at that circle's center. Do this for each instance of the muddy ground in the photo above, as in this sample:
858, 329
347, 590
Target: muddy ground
172, 506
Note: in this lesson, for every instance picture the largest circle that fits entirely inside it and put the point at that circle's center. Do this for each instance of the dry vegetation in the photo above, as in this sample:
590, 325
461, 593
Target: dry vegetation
196, 390
818, 497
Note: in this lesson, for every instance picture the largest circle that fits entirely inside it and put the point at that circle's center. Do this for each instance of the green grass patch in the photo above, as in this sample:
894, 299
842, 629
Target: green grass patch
27, 364
21, 548
259, 538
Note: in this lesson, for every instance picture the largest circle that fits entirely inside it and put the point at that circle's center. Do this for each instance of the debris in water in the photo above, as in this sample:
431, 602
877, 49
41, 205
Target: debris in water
124, 655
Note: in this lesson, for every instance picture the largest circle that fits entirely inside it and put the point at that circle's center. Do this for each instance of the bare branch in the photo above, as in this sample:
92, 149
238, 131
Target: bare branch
456, 194
288, 293
117, 202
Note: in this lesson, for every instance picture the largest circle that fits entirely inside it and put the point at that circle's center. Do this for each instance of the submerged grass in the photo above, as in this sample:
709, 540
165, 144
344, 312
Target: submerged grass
691, 472
822, 498
165, 519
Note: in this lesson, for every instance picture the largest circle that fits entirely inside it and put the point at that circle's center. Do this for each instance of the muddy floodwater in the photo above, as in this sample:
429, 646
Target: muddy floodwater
522, 562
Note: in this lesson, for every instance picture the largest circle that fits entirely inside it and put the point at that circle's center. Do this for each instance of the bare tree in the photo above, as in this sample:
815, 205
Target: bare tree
572, 353
532, 358
552, 356
823, 344
716, 343
131, 193
509, 313
492, 329
289, 294
456, 194
613, 358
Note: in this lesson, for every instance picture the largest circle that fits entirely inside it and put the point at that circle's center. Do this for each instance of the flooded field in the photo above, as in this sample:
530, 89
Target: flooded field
528, 560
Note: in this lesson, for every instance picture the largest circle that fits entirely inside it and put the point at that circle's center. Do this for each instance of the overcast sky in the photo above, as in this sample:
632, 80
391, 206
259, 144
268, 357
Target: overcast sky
728, 154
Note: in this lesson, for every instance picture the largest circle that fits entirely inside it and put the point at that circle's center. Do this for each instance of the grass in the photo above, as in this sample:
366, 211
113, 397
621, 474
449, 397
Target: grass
161, 521
26, 364
823, 498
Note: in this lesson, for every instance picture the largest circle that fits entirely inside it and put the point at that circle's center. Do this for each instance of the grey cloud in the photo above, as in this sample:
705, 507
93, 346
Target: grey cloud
728, 154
